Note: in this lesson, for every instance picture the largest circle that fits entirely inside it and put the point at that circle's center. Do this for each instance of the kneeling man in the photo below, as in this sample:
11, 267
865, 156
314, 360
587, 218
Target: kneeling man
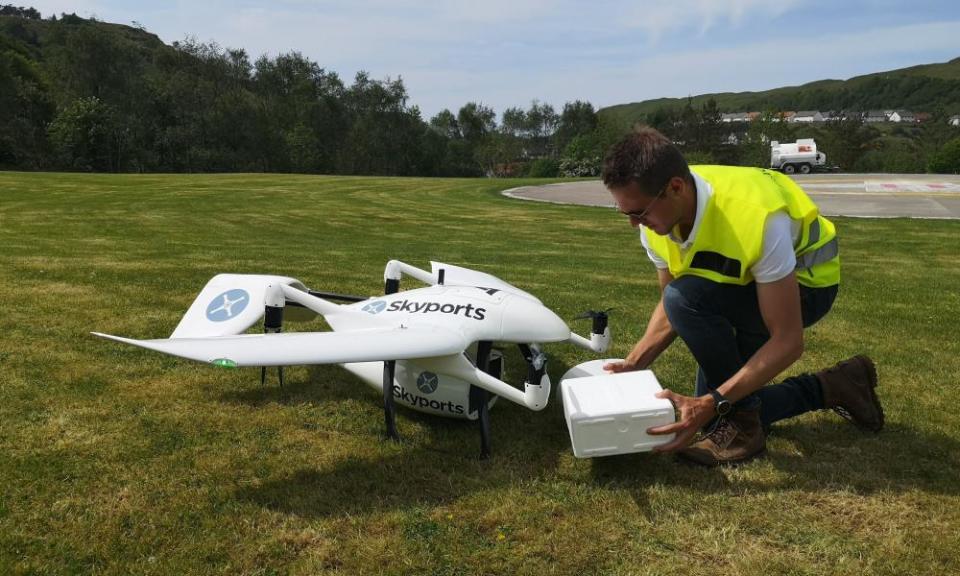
745, 262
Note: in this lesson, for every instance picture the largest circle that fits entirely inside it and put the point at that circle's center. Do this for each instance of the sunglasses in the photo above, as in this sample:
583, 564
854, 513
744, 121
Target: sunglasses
643, 213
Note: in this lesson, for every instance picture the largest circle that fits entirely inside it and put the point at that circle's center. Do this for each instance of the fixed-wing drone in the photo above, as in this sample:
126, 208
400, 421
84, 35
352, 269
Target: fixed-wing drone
427, 348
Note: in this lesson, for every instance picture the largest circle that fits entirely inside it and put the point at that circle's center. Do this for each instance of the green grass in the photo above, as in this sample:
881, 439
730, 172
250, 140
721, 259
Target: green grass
115, 460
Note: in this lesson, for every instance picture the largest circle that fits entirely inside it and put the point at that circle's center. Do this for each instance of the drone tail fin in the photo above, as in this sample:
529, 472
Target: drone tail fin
231, 303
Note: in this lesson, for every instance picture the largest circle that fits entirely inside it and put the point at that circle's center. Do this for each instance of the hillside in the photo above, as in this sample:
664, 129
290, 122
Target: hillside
925, 88
83, 95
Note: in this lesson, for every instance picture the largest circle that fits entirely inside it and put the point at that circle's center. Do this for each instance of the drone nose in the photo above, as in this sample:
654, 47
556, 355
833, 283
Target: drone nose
525, 320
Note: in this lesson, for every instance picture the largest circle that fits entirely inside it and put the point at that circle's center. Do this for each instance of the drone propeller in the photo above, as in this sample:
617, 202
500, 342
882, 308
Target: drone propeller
599, 317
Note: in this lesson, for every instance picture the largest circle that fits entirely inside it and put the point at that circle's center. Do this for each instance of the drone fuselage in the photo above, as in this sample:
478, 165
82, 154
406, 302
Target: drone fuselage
477, 313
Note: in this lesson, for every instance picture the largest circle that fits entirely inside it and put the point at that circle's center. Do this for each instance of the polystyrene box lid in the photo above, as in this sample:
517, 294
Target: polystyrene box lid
596, 396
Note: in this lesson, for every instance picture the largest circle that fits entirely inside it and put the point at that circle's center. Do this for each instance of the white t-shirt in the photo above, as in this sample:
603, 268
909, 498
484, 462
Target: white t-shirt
780, 235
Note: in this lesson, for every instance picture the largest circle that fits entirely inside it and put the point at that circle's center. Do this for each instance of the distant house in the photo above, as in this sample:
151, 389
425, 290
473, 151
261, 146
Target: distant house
954, 120
751, 116
922, 117
902, 116
784, 116
808, 116
875, 116
735, 117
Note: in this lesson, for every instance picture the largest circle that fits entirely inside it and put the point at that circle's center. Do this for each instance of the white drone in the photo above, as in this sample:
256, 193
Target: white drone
427, 348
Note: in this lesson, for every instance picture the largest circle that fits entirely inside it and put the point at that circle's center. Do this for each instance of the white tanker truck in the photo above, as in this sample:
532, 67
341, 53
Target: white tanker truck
800, 156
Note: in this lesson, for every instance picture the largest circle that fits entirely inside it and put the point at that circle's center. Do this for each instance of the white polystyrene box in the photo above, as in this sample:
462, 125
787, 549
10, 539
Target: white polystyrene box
609, 413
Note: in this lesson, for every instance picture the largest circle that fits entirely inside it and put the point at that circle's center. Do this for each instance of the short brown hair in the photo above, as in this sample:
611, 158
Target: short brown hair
646, 157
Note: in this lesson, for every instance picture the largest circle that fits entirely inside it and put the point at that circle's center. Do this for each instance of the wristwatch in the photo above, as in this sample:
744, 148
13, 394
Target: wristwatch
721, 404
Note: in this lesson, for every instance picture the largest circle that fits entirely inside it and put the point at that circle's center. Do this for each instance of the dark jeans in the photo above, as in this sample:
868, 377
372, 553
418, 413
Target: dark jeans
722, 326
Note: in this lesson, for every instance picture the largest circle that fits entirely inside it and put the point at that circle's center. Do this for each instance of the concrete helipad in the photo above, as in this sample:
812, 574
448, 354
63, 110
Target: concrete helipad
862, 195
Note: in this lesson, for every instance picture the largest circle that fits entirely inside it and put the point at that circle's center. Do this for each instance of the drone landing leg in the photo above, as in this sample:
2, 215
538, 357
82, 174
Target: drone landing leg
390, 286
272, 324
389, 409
481, 399
263, 375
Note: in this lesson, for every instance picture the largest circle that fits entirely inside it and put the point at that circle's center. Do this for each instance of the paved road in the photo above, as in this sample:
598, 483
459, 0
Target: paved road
863, 195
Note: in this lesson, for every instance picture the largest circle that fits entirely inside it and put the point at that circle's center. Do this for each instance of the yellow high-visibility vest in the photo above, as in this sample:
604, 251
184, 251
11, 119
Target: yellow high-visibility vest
730, 238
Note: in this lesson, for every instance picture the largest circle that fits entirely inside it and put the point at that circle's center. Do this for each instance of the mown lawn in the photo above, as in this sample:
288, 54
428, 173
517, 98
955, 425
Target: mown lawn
115, 460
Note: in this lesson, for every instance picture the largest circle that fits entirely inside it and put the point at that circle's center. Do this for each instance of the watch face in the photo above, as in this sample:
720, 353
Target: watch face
721, 404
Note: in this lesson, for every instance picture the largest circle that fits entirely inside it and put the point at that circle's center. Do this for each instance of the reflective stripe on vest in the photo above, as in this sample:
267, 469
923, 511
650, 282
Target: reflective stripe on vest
814, 236
825, 253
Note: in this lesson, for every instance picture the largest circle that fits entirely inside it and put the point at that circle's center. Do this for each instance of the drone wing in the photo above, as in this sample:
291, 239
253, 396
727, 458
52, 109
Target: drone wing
295, 348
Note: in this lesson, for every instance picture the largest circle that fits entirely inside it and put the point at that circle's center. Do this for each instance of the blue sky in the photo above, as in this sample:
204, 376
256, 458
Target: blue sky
508, 52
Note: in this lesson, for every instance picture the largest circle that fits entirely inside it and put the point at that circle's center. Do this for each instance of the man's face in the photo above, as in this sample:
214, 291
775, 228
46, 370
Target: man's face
653, 211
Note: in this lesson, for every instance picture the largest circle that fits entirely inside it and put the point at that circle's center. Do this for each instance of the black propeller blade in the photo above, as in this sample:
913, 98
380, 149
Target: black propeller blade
599, 317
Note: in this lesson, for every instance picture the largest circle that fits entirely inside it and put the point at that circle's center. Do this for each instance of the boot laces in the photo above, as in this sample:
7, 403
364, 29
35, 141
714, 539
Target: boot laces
723, 433
843, 412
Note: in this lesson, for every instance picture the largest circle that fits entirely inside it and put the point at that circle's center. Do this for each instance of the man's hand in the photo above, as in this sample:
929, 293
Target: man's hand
621, 366
694, 415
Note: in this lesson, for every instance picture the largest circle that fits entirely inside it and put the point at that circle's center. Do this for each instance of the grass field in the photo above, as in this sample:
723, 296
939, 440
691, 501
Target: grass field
115, 460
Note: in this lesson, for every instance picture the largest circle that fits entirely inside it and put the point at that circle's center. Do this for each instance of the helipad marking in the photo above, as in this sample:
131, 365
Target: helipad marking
912, 186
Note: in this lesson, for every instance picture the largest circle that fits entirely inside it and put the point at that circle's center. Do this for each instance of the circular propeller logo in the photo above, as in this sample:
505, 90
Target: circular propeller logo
227, 305
375, 307
427, 382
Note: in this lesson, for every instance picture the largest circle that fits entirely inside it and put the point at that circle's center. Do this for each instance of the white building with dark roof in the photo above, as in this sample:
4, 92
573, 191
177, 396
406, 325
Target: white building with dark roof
808, 116
902, 116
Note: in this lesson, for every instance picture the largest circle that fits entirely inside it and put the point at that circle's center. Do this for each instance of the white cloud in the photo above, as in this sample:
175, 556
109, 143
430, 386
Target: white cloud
787, 61
657, 18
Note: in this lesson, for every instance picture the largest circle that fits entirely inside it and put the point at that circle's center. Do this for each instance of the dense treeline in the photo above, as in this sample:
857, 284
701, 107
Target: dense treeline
77, 94
83, 95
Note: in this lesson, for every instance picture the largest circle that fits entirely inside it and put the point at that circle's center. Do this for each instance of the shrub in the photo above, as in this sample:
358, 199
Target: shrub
947, 159
544, 168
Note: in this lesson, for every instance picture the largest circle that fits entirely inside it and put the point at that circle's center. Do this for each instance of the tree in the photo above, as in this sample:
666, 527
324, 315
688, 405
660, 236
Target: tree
514, 122
19, 11
769, 126
476, 121
86, 137
577, 119
845, 140
385, 134
891, 154
540, 123
25, 110
947, 159
445, 124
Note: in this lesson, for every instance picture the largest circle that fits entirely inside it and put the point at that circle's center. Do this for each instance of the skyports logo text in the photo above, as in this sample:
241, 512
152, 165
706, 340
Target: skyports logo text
415, 400
467, 310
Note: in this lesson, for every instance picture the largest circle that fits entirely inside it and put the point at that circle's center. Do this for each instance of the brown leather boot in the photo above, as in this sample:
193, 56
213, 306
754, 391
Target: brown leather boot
849, 389
735, 438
